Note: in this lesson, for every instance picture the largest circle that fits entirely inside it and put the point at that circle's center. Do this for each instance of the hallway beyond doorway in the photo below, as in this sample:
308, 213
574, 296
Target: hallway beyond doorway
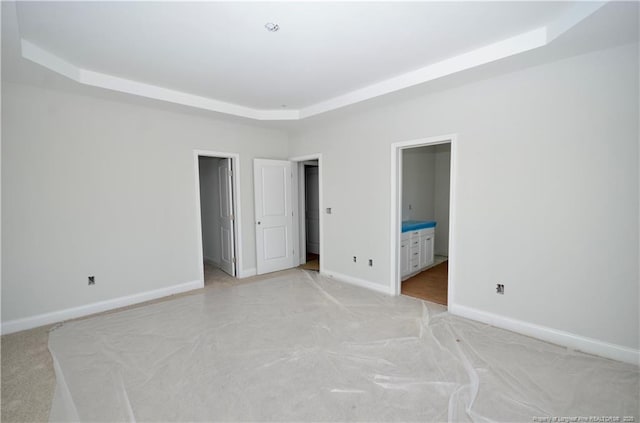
313, 262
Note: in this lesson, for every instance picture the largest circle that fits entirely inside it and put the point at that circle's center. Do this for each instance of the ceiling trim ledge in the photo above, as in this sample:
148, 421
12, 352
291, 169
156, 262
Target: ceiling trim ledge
56, 64
520, 43
489, 53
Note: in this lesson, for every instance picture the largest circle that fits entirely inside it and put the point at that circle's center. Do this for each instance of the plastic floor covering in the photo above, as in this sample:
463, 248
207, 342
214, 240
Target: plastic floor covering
301, 347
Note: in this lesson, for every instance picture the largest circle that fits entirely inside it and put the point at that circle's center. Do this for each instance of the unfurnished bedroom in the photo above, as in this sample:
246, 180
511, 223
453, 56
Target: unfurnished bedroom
320, 211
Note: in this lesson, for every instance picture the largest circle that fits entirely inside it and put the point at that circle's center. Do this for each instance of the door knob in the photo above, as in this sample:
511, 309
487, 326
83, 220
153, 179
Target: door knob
258, 222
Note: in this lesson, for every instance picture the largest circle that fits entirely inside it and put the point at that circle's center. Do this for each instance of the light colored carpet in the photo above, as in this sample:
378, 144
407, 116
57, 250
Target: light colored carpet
27, 376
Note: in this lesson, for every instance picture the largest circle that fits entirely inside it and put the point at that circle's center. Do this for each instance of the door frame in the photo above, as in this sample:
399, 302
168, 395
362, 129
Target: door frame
396, 207
235, 193
299, 206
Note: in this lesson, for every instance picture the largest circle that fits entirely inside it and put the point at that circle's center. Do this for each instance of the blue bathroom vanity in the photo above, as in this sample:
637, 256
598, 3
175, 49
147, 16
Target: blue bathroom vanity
416, 246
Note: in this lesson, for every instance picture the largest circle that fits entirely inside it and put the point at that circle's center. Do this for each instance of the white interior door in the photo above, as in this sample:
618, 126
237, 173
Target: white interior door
312, 208
274, 215
226, 219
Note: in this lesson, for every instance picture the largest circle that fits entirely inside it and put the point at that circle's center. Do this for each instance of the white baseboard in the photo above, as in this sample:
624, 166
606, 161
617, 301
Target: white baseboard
567, 339
71, 313
247, 273
358, 282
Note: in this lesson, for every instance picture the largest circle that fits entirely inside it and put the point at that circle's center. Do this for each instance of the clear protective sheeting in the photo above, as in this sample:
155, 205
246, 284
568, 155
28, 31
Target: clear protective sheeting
302, 347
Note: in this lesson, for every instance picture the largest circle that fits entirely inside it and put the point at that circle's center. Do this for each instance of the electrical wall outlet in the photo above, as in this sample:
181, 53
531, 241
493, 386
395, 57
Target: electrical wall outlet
92, 280
500, 289
370, 262
355, 259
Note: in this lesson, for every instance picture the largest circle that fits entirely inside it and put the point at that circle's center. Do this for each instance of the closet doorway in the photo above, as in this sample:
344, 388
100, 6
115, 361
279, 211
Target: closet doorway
309, 215
219, 226
308, 187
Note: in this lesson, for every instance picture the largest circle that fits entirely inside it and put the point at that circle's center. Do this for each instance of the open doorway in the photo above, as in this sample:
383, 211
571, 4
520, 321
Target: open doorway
217, 195
424, 243
422, 178
309, 184
282, 209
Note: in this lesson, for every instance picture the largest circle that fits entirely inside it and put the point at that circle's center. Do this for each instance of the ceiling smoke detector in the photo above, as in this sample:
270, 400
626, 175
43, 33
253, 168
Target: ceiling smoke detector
272, 27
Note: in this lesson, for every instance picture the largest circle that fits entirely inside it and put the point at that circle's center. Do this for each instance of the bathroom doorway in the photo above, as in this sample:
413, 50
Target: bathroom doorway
424, 241
422, 222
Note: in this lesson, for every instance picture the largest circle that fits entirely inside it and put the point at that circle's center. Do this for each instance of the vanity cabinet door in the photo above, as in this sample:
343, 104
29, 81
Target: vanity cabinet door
426, 249
404, 258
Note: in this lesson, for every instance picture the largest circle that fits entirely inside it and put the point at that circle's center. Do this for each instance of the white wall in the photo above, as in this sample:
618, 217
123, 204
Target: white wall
547, 191
95, 187
210, 208
442, 188
418, 183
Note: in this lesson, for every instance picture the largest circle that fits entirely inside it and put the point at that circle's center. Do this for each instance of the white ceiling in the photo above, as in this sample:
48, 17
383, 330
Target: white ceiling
218, 55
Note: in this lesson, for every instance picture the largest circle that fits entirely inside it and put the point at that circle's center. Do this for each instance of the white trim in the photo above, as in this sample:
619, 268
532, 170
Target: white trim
517, 44
453, 220
505, 48
396, 206
247, 273
52, 62
93, 308
555, 336
237, 224
489, 53
200, 248
301, 210
358, 282
305, 158
572, 17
